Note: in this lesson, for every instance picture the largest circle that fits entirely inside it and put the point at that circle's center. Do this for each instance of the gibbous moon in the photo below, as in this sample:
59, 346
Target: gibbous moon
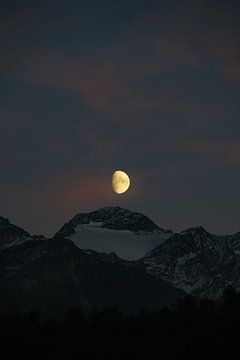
120, 182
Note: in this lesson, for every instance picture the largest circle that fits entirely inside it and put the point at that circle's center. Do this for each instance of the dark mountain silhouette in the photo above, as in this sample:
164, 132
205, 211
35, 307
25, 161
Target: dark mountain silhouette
11, 235
54, 276
201, 263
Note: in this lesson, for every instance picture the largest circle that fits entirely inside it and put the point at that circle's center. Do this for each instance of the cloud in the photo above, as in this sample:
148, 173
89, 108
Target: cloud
135, 76
151, 87
53, 203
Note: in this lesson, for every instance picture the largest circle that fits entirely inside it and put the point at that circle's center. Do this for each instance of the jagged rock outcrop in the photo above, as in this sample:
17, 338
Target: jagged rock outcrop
198, 262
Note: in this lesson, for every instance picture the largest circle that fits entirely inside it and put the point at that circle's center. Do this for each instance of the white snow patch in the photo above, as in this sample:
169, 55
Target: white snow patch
126, 244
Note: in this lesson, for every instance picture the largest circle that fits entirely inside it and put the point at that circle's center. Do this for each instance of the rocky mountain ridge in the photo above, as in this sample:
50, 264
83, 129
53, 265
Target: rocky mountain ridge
113, 229
113, 218
201, 263
79, 263
53, 276
11, 234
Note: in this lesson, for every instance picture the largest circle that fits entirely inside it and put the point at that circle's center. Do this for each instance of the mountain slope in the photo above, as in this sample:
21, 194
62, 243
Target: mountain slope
11, 234
123, 252
201, 263
54, 276
113, 229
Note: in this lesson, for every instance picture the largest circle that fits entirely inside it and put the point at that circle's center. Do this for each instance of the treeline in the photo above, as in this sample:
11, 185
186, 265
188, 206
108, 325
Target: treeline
192, 329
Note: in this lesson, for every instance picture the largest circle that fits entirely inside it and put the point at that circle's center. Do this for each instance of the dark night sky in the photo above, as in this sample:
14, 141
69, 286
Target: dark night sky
151, 87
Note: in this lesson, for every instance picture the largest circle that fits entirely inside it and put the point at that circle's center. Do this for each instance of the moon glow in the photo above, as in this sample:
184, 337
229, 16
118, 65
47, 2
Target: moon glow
120, 182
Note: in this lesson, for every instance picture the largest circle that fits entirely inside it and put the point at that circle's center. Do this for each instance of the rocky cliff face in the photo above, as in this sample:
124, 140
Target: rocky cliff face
201, 263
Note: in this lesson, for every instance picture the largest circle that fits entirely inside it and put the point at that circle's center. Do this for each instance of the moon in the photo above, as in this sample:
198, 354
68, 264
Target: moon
120, 182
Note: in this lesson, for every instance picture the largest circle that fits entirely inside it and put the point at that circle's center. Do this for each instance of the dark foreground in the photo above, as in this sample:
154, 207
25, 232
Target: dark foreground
191, 330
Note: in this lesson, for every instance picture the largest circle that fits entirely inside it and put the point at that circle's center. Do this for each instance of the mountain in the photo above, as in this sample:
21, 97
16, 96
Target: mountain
55, 276
113, 229
11, 235
198, 262
112, 257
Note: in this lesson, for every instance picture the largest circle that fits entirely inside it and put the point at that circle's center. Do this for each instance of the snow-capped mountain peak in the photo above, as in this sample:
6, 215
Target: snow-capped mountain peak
197, 261
115, 218
114, 229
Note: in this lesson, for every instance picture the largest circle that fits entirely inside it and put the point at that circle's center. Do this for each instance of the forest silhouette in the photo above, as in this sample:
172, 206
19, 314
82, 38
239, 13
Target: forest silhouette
192, 328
